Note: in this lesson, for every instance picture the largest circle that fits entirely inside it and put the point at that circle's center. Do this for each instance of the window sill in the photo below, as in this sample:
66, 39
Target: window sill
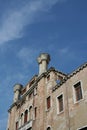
59, 113
47, 110
35, 94
77, 102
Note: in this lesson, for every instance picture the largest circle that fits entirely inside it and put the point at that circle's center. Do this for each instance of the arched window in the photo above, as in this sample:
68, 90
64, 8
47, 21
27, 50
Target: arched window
26, 116
30, 112
48, 128
22, 121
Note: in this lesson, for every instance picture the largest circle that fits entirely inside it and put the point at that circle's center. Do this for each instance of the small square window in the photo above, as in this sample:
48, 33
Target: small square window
48, 103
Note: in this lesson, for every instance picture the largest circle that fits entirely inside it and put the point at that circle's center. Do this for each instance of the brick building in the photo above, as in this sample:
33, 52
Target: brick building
51, 100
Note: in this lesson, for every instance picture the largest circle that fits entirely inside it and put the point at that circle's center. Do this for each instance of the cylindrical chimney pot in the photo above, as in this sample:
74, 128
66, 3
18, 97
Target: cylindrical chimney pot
17, 90
43, 61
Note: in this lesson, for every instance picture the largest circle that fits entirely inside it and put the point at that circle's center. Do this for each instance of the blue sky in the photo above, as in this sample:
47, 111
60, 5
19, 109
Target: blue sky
31, 27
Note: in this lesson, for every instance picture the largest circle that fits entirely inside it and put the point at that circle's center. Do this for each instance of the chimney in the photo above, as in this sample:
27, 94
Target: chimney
43, 61
17, 90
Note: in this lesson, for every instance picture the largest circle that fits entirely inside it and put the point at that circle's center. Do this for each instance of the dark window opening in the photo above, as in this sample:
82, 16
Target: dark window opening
17, 125
22, 119
48, 103
48, 128
60, 102
26, 116
31, 95
85, 128
30, 113
48, 77
35, 112
78, 91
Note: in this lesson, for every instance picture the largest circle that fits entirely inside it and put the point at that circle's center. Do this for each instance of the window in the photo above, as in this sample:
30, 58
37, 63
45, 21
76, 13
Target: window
85, 128
48, 128
35, 112
60, 103
48, 103
22, 119
48, 77
17, 125
30, 112
26, 116
78, 91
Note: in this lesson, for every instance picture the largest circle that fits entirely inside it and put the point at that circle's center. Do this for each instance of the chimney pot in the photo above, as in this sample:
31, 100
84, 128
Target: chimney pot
17, 90
43, 61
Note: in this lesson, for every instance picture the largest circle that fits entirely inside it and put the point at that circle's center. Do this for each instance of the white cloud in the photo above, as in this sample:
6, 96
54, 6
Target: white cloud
27, 56
14, 22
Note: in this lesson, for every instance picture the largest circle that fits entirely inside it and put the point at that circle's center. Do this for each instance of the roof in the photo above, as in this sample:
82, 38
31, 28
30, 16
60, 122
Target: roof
69, 76
34, 84
54, 88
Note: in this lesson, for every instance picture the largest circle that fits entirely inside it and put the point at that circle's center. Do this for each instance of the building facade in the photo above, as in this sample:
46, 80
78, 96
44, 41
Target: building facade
51, 100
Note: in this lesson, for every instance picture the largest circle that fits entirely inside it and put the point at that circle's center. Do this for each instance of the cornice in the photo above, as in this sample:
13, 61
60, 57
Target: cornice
69, 76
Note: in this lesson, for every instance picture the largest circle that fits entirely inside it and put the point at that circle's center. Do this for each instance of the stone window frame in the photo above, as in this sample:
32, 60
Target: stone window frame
74, 95
59, 112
